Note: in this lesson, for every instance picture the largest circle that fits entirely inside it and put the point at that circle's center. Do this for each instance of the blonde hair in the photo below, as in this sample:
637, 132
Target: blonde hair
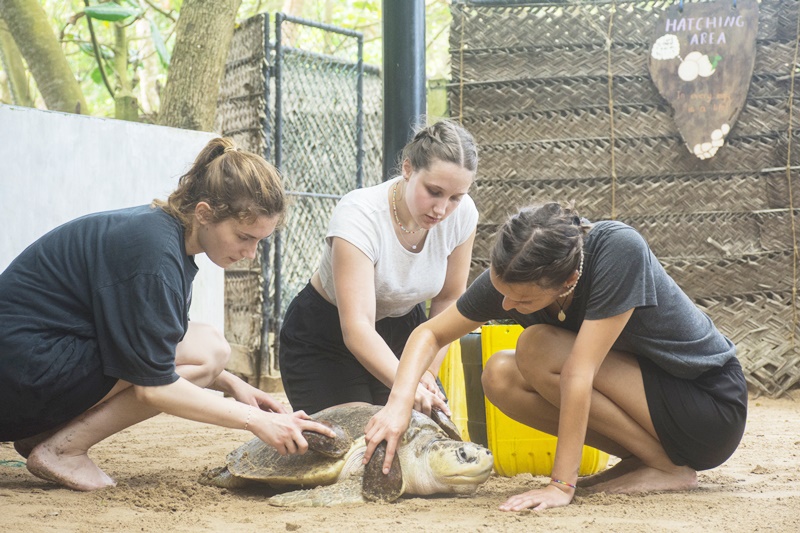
235, 183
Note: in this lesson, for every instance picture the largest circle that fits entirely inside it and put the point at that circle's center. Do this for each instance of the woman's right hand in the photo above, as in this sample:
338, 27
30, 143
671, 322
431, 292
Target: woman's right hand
389, 424
284, 431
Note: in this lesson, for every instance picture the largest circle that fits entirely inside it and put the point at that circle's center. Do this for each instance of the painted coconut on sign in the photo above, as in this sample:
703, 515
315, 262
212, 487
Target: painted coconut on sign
701, 61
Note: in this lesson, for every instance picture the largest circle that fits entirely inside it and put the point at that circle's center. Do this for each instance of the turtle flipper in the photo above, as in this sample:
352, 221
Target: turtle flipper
377, 486
446, 424
221, 477
334, 447
346, 492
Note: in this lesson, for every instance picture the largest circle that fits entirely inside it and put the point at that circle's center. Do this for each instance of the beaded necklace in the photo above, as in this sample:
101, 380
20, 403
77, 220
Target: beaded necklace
397, 219
562, 316
394, 209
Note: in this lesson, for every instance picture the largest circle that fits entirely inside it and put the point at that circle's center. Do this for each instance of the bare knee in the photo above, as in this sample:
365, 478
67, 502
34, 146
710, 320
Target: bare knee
203, 354
219, 351
499, 373
541, 351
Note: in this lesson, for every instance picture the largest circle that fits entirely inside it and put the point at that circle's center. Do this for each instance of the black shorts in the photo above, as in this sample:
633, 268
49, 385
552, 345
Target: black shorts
317, 369
31, 407
699, 422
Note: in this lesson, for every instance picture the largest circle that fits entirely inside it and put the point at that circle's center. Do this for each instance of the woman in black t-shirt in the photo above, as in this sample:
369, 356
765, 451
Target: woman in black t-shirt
94, 329
613, 355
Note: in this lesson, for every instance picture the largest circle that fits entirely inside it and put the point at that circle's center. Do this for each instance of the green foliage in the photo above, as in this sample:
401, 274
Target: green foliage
161, 46
96, 76
110, 12
150, 29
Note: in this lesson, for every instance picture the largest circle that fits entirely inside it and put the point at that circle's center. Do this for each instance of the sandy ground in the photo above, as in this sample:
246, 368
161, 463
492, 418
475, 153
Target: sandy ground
157, 463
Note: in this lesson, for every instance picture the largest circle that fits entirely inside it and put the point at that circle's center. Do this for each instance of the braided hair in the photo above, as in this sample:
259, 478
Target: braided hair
541, 244
445, 141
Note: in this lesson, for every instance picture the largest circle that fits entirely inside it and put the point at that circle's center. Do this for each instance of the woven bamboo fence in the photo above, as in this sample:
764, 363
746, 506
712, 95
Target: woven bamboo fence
560, 100
242, 113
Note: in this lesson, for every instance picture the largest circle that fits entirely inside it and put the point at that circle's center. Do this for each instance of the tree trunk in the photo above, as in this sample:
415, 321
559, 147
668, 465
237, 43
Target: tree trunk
28, 24
125, 105
203, 36
5, 89
11, 58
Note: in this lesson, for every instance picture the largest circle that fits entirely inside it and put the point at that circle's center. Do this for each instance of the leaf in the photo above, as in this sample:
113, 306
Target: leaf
97, 76
161, 47
110, 12
88, 49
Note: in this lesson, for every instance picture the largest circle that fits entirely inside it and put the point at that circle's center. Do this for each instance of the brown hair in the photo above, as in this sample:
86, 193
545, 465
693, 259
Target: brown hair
236, 184
540, 244
443, 141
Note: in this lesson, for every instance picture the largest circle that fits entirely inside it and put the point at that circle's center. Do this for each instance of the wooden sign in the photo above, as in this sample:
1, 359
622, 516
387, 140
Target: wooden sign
701, 61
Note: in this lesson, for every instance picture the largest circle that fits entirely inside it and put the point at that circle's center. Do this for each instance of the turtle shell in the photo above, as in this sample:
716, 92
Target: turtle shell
258, 461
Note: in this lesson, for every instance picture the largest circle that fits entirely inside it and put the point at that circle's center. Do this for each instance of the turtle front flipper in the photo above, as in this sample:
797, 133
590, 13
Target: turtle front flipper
446, 424
377, 486
334, 447
346, 492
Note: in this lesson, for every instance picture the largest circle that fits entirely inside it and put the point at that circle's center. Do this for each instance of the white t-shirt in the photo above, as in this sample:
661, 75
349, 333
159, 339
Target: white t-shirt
403, 279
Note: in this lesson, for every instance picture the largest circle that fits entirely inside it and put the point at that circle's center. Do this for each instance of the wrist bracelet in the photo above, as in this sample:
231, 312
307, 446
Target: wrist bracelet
249, 412
559, 482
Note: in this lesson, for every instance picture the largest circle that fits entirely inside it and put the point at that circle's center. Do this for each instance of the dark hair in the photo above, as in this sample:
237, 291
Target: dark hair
236, 184
444, 141
540, 244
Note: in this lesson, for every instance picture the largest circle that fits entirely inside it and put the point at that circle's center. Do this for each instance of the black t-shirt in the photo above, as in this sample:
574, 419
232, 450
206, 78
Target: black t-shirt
114, 285
621, 273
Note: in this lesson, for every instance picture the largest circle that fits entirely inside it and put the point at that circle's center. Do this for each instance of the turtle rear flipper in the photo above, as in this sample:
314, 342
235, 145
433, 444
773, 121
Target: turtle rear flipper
342, 493
222, 477
377, 486
329, 446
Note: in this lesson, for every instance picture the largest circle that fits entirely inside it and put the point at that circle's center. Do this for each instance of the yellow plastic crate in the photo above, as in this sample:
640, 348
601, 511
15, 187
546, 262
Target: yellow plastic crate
451, 374
518, 448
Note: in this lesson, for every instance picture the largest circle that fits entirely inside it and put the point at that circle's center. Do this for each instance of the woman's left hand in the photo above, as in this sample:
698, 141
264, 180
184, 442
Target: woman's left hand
538, 499
246, 393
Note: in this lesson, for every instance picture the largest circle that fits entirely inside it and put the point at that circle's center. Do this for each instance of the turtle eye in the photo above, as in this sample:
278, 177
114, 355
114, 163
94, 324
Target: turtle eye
464, 456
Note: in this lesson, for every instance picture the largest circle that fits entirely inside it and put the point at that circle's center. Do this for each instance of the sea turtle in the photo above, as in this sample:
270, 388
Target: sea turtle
429, 460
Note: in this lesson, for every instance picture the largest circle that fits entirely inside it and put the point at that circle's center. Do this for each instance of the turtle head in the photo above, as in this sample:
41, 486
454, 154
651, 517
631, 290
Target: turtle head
440, 465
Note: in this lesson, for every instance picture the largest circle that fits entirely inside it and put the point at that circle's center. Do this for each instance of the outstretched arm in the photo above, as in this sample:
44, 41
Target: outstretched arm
354, 279
455, 283
592, 344
246, 393
428, 338
186, 400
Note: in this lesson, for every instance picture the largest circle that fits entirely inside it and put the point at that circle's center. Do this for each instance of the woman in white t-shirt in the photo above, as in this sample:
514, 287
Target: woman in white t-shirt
389, 249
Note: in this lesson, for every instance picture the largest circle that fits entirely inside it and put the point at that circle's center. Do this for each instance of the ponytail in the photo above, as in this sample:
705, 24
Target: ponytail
235, 183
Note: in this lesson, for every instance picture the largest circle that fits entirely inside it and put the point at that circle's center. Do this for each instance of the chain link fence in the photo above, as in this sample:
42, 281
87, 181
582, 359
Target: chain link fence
309, 104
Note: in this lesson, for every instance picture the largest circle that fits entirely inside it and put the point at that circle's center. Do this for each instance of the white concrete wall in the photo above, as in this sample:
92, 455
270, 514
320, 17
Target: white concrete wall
55, 167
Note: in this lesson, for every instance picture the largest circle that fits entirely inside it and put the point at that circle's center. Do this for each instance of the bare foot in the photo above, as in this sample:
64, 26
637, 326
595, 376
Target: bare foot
25, 446
628, 464
647, 479
76, 472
